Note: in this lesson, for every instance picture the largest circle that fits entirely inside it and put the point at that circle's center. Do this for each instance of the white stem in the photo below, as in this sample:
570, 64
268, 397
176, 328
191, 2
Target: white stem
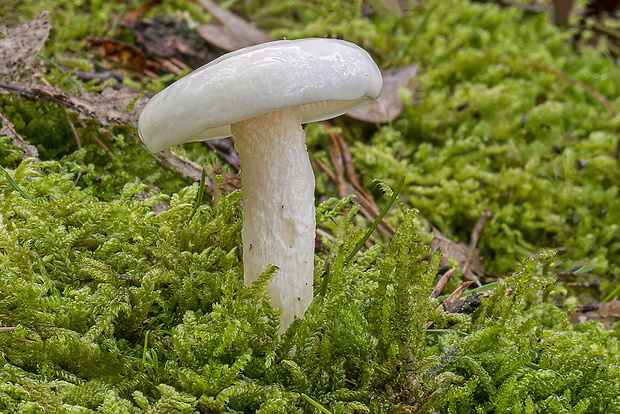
278, 208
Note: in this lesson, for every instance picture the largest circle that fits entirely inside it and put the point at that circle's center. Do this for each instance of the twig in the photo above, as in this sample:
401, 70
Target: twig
342, 161
185, 167
335, 154
7, 128
480, 223
75, 134
367, 209
102, 145
442, 283
107, 108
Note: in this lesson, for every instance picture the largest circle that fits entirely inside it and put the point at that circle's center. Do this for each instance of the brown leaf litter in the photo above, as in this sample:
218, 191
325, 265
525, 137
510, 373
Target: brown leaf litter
389, 105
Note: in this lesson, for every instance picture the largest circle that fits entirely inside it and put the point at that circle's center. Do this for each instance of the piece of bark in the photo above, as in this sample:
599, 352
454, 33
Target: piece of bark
389, 105
186, 167
21, 44
451, 302
468, 304
530, 8
562, 10
234, 32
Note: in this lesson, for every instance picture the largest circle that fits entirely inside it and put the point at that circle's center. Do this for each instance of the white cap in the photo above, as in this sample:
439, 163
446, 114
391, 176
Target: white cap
324, 77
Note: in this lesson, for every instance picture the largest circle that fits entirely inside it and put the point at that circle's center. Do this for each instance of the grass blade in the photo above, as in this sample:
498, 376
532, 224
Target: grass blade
405, 49
374, 225
316, 404
15, 186
201, 191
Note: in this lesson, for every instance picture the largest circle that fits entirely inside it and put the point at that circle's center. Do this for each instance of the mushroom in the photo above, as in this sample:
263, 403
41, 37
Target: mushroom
263, 94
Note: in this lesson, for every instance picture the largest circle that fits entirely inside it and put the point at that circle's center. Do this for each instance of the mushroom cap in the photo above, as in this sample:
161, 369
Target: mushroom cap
323, 77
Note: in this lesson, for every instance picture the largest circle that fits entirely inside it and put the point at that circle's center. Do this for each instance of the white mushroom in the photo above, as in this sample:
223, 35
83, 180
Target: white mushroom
263, 94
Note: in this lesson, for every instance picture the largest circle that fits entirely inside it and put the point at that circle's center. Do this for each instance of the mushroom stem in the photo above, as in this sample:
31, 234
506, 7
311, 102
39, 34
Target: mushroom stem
278, 208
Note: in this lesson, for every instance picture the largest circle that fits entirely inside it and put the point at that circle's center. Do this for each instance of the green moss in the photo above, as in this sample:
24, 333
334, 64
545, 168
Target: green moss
152, 309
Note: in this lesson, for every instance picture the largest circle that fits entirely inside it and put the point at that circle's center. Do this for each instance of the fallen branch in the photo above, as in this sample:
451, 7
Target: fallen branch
110, 107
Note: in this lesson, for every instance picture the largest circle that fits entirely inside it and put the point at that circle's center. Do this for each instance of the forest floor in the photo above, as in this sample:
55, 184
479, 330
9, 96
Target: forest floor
490, 285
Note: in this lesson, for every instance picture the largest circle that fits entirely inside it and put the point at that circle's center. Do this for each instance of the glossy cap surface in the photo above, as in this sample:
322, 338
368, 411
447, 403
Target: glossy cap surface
323, 77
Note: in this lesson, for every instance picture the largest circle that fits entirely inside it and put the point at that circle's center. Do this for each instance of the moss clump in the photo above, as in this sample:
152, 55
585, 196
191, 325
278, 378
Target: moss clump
117, 309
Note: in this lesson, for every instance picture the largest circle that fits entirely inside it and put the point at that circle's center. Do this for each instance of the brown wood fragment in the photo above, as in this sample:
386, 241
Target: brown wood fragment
173, 45
441, 283
110, 107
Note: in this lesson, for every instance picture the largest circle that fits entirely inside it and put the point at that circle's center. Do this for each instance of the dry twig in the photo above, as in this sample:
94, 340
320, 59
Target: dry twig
7, 129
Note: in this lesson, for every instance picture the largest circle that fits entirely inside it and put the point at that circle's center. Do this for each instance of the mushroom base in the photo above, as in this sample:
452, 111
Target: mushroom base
278, 208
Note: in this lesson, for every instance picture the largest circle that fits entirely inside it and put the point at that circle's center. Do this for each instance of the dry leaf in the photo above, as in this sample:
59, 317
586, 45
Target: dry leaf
606, 312
21, 45
235, 32
389, 105
468, 259
117, 52
171, 41
396, 6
